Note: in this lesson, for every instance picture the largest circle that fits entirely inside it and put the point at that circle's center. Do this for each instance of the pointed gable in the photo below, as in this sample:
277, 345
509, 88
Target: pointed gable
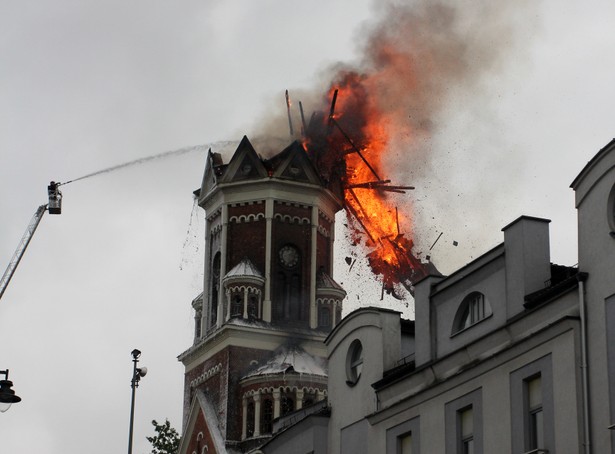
210, 177
293, 164
244, 165
201, 433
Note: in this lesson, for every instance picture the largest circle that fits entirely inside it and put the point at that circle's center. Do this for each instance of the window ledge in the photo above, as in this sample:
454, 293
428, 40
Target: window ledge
463, 330
537, 451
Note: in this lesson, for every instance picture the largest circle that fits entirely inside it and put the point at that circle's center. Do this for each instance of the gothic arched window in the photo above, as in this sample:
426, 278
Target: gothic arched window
214, 290
250, 420
287, 405
289, 285
324, 317
236, 305
252, 306
267, 417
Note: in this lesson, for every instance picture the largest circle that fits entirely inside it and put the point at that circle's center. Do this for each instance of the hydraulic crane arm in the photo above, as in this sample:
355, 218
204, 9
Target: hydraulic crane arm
23, 244
54, 207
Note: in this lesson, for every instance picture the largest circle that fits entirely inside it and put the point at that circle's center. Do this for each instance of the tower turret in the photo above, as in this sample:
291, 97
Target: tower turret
268, 299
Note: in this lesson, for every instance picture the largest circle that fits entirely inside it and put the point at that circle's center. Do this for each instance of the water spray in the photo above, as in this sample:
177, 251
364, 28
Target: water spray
166, 154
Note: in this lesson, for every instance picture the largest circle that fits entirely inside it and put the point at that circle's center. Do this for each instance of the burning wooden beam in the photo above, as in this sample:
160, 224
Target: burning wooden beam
290, 121
356, 215
356, 149
303, 126
369, 184
382, 184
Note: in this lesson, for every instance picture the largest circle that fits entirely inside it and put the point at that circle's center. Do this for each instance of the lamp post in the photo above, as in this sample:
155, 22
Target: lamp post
7, 395
137, 373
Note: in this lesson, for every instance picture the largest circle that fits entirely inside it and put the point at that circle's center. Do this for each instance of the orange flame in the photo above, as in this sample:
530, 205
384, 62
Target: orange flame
351, 150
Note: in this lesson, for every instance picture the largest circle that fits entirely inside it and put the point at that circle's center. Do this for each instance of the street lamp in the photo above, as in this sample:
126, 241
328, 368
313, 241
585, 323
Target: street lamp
7, 395
137, 373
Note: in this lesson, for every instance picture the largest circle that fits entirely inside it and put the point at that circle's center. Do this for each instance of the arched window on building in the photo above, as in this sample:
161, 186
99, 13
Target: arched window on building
267, 416
287, 405
324, 317
214, 290
472, 310
288, 296
252, 306
308, 400
250, 420
236, 305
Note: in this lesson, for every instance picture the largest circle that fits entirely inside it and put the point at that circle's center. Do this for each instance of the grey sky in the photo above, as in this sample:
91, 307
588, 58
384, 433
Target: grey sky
88, 85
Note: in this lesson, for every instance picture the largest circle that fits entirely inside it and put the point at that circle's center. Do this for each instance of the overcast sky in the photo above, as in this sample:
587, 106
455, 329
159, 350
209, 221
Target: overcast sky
86, 85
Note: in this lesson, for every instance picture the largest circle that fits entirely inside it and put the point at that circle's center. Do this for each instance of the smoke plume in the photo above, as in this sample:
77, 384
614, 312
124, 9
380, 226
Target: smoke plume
423, 91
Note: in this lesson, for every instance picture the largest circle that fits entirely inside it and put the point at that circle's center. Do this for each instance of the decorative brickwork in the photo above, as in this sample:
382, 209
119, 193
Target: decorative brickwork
249, 363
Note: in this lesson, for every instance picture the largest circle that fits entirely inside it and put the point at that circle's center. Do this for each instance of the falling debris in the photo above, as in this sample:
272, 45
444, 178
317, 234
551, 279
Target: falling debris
434, 243
345, 147
351, 265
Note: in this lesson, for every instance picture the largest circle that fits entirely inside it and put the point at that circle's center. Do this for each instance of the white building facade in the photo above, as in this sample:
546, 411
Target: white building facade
509, 354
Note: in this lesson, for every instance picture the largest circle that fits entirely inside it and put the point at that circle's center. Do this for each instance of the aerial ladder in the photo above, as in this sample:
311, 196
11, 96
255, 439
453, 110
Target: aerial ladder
54, 207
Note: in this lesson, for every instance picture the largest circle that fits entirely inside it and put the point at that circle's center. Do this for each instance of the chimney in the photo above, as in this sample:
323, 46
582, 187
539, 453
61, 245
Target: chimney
527, 258
425, 329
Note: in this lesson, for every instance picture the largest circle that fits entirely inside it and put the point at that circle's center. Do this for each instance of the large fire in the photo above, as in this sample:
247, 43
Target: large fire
418, 60
348, 146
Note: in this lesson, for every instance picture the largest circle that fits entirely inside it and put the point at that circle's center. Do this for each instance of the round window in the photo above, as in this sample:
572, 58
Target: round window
354, 362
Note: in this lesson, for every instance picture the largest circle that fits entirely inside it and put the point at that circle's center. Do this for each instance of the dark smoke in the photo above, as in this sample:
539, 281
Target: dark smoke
425, 66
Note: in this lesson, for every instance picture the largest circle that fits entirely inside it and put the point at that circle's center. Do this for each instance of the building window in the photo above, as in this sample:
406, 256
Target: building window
531, 405
405, 444
534, 413
197, 324
324, 317
354, 362
466, 431
266, 425
611, 211
403, 438
214, 288
236, 305
250, 420
288, 304
464, 424
287, 405
252, 306
472, 310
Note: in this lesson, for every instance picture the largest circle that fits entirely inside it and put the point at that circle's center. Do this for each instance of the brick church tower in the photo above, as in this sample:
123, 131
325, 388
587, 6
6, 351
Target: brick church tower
268, 301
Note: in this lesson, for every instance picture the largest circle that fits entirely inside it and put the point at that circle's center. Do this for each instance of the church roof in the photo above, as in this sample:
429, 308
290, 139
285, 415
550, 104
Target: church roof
291, 359
326, 287
245, 268
323, 280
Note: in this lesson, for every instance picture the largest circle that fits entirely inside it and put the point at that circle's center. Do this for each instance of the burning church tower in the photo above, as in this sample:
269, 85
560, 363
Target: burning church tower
268, 302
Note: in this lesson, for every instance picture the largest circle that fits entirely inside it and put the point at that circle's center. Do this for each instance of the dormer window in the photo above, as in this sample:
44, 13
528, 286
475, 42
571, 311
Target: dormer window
472, 310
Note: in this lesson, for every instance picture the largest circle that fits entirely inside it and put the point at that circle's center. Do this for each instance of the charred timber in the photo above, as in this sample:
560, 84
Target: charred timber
356, 149
381, 185
290, 121
303, 126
